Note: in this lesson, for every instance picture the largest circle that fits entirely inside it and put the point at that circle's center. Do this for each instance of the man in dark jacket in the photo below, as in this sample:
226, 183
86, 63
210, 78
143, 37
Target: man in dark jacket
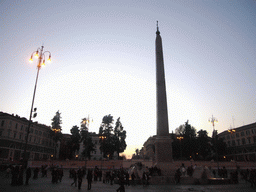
28, 175
80, 178
89, 179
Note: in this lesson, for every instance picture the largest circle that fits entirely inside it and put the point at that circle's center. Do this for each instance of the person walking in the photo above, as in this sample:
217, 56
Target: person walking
20, 177
80, 178
28, 175
133, 179
121, 182
15, 175
177, 176
74, 177
89, 179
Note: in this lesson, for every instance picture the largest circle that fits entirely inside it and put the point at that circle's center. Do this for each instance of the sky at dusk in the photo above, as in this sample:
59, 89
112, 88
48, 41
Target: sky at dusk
103, 62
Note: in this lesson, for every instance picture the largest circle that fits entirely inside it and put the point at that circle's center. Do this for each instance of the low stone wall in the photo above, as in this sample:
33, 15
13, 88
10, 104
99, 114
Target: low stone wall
116, 164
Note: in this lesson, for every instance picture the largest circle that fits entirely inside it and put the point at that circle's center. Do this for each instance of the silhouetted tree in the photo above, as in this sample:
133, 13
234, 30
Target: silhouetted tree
120, 136
56, 130
203, 145
107, 144
75, 139
86, 139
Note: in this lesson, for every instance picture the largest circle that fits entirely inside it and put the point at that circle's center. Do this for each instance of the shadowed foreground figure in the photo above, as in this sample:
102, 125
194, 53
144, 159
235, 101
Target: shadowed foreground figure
89, 179
28, 175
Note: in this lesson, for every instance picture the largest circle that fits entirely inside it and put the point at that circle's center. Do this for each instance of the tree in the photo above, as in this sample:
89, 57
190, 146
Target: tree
56, 130
120, 136
86, 139
203, 146
107, 143
56, 121
188, 142
75, 139
189, 131
180, 130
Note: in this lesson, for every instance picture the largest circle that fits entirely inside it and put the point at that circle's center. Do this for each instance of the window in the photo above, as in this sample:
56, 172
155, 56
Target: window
21, 136
242, 133
31, 130
248, 132
14, 135
16, 126
30, 138
21, 127
9, 132
238, 141
228, 137
36, 132
232, 135
249, 140
243, 141
233, 143
40, 132
229, 143
237, 134
10, 124
2, 124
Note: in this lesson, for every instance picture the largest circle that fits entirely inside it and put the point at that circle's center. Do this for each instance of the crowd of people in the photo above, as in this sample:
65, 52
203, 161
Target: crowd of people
118, 176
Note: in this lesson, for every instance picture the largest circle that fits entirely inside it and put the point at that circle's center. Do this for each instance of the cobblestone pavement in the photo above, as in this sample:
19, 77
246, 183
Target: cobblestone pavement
45, 185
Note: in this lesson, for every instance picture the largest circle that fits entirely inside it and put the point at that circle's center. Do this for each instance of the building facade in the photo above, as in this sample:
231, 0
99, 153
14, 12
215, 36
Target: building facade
13, 132
241, 143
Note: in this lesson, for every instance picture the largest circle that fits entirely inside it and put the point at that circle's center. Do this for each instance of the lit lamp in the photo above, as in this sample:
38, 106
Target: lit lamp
180, 138
231, 131
40, 54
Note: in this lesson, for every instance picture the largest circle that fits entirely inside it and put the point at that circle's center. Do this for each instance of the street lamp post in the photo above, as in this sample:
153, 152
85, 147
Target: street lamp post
213, 121
41, 62
231, 131
102, 137
180, 138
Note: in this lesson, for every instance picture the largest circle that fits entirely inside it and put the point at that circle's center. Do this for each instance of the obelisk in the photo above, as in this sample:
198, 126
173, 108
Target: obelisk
163, 142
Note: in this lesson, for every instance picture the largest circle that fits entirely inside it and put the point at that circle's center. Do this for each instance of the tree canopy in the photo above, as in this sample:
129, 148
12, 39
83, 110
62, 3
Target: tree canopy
111, 140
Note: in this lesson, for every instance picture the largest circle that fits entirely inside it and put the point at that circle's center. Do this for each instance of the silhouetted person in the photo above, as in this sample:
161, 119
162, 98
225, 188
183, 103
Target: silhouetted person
28, 175
80, 178
74, 175
20, 178
89, 179
60, 174
15, 175
177, 176
121, 182
127, 178
133, 178
36, 171
225, 172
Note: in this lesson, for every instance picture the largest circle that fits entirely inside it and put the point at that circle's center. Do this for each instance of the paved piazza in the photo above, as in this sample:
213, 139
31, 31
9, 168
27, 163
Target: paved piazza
45, 185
